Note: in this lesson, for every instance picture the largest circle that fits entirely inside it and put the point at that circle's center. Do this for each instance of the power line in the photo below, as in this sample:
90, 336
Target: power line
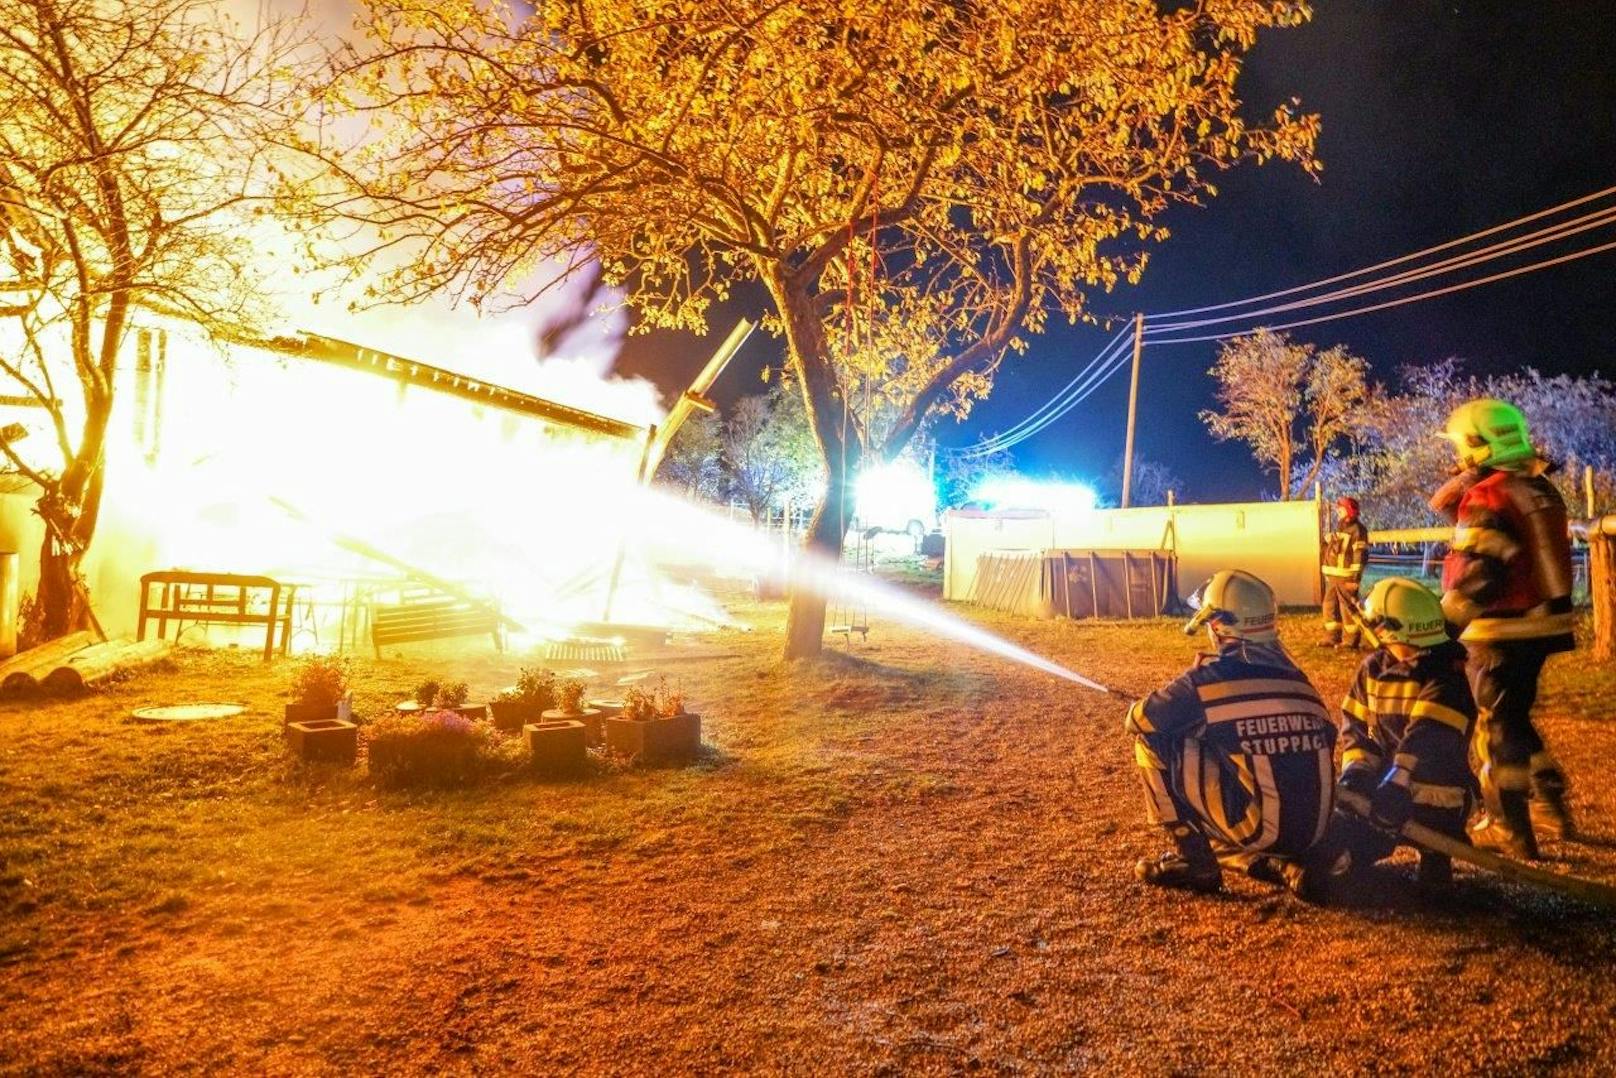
1389, 262
1460, 287
1515, 245
1098, 370
1113, 363
1055, 401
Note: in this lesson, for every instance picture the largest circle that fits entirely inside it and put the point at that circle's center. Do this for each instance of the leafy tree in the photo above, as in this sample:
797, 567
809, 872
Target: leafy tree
692, 462
133, 136
768, 450
917, 186
1289, 401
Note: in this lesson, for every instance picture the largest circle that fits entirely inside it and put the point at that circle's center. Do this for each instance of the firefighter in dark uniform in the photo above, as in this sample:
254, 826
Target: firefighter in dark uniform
1345, 552
1406, 725
1508, 590
1237, 753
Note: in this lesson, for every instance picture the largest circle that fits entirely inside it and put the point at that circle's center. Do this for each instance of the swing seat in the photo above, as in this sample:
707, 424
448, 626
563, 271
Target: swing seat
862, 630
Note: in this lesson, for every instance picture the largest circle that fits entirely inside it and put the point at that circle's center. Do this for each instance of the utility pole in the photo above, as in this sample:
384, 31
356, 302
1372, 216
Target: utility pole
1133, 408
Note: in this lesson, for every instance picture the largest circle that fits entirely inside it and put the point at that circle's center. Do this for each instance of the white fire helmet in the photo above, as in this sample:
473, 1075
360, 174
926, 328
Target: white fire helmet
1235, 604
1403, 611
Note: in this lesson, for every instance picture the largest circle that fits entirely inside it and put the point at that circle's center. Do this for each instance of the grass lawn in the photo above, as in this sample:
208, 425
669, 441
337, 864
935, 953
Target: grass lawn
904, 857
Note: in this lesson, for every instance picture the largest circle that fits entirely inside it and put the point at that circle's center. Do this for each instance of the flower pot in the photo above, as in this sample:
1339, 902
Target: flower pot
556, 747
512, 715
309, 712
675, 739
594, 733
324, 741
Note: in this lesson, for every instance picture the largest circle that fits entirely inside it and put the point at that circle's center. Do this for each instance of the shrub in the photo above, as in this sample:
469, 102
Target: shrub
659, 702
320, 681
445, 695
535, 686
639, 705
570, 697
434, 748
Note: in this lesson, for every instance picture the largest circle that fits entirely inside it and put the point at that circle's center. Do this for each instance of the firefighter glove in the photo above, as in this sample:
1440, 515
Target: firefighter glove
1358, 780
1393, 802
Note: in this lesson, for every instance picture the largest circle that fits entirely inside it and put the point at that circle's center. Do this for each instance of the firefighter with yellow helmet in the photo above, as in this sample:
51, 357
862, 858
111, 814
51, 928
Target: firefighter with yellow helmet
1507, 582
1406, 724
1237, 753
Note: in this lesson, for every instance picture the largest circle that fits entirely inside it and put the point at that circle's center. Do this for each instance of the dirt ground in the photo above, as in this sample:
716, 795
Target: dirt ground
907, 857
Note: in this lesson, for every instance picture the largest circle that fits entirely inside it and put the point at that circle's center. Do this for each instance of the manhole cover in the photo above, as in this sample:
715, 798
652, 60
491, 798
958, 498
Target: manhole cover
187, 712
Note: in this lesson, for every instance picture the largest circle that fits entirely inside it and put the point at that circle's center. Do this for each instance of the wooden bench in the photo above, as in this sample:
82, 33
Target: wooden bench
420, 616
217, 599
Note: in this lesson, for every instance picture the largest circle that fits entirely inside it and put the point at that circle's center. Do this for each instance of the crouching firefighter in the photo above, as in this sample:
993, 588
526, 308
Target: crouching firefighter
1345, 552
1406, 724
1508, 588
1237, 753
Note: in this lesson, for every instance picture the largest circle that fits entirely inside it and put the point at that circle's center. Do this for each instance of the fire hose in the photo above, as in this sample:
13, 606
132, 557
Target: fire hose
1592, 892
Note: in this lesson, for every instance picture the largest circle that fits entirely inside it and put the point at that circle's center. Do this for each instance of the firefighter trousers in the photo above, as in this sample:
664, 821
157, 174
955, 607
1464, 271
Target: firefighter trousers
1504, 677
1339, 600
1168, 771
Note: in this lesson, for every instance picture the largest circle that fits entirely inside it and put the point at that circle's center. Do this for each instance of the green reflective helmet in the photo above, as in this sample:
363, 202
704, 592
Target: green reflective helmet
1489, 432
1403, 611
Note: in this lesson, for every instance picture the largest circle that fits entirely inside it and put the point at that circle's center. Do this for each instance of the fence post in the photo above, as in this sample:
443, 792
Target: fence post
1602, 585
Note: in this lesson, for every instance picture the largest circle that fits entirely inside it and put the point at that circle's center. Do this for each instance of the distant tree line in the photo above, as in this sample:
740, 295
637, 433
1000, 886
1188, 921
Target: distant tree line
1396, 459
1312, 415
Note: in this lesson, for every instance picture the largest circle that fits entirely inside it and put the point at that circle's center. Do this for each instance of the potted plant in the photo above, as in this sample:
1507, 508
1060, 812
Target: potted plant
319, 689
570, 705
533, 694
432, 695
655, 726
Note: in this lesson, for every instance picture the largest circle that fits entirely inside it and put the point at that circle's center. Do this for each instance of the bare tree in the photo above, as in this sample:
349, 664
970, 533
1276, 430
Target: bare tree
133, 136
1286, 399
917, 186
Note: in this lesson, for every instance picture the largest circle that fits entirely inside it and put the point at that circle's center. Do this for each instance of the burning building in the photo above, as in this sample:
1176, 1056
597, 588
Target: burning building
353, 474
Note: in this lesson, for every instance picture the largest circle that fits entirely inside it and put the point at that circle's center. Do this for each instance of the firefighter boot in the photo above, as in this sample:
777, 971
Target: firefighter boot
1549, 797
1509, 830
1189, 866
1434, 877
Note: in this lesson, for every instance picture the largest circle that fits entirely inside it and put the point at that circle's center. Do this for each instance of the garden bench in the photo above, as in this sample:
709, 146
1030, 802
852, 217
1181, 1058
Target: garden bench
422, 615
217, 599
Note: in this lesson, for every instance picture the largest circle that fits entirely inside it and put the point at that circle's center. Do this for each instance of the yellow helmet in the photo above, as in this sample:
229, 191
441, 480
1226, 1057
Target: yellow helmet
1490, 432
1235, 603
1404, 611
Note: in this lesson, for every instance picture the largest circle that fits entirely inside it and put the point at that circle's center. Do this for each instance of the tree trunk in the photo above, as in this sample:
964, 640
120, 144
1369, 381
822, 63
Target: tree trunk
836, 433
60, 609
827, 531
1285, 473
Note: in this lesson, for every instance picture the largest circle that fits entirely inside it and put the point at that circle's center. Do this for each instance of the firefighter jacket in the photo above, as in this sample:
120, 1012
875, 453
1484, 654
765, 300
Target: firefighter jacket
1345, 552
1416, 714
1250, 745
1508, 574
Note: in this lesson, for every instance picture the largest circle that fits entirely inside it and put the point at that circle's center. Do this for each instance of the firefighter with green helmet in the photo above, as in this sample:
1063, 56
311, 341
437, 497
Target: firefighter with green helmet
1507, 590
1346, 550
1406, 724
1237, 753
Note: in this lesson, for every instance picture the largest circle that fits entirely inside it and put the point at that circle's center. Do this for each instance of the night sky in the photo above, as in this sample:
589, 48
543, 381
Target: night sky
1439, 119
